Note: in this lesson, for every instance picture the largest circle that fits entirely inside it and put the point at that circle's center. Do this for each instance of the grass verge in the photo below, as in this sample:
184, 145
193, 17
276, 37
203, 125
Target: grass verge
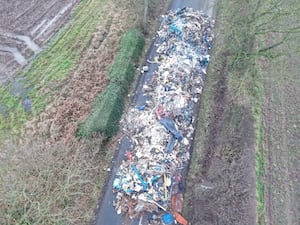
108, 107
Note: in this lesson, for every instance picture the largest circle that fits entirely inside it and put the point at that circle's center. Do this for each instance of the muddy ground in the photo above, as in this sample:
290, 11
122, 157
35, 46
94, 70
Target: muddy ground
25, 26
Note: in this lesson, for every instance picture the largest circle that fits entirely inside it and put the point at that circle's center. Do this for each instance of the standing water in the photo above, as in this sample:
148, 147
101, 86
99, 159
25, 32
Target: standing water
16, 53
33, 46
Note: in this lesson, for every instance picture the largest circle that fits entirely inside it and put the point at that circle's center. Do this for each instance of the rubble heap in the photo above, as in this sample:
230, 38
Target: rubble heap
149, 179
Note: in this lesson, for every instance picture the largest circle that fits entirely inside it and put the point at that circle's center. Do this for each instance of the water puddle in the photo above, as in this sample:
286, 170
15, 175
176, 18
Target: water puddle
38, 27
33, 46
16, 53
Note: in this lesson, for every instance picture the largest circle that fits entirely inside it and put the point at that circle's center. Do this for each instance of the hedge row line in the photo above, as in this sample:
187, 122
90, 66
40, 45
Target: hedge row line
108, 106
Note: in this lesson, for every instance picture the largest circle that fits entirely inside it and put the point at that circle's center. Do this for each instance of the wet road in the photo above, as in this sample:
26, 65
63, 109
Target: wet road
206, 6
106, 214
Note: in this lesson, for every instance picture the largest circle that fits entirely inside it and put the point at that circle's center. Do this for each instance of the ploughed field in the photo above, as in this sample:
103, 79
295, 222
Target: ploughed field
25, 26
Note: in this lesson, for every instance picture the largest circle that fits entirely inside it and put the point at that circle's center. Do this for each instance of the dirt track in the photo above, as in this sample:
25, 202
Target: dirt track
25, 26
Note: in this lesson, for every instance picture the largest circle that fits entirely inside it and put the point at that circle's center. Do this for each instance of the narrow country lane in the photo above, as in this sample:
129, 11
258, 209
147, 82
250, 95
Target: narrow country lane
106, 213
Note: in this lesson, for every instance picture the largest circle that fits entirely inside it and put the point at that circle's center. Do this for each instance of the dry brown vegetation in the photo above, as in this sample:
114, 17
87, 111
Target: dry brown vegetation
54, 184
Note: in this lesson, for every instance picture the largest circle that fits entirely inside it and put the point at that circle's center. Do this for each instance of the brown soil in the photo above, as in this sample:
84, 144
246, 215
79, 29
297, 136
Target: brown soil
222, 189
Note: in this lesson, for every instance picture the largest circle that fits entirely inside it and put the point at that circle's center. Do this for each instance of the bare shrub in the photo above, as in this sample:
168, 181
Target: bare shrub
55, 184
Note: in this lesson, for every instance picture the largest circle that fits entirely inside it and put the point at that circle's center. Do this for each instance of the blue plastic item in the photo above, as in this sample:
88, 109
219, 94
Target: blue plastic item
168, 218
171, 145
117, 183
175, 29
137, 172
141, 107
27, 104
170, 126
154, 179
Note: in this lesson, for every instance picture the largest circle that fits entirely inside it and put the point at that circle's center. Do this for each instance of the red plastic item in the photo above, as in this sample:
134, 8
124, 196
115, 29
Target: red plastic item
177, 203
180, 219
128, 155
161, 112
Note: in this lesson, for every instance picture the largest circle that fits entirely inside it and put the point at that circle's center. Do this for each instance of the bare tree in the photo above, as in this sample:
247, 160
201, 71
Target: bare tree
278, 21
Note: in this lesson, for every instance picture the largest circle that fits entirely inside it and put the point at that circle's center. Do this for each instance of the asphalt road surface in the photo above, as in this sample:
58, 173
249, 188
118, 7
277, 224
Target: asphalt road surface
106, 214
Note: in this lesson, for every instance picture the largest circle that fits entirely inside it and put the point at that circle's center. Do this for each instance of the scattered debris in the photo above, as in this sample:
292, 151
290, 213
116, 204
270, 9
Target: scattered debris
180, 219
177, 203
27, 104
149, 179
167, 219
145, 69
205, 187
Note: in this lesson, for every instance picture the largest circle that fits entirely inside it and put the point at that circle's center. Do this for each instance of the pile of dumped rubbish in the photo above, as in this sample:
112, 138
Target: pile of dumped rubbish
150, 178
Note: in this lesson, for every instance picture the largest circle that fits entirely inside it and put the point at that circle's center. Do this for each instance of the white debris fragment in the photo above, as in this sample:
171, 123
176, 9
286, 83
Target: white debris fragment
145, 68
